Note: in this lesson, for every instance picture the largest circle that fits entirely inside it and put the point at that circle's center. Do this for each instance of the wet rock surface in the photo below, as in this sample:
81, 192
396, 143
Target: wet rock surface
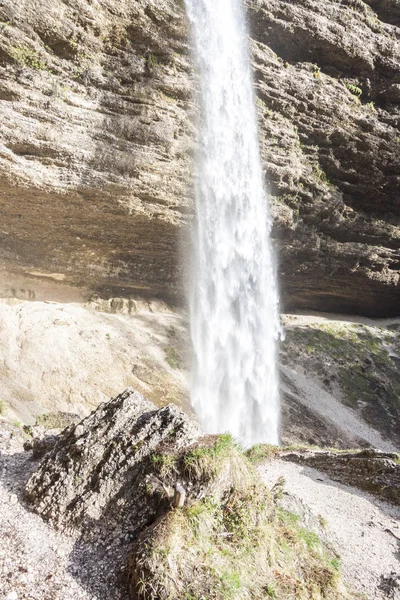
96, 105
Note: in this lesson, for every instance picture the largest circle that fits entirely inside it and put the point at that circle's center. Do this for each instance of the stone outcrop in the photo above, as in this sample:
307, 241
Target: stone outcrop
98, 468
174, 512
96, 102
375, 472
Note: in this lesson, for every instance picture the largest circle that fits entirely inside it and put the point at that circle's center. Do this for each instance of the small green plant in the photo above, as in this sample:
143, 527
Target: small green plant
59, 91
26, 57
354, 89
164, 464
4, 25
204, 462
278, 489
317, 71
171, 100
288, 518
322, 521
270, 590
152, 62
173, 358
262, 452
322, 177
260, 102
231, 583
205, 512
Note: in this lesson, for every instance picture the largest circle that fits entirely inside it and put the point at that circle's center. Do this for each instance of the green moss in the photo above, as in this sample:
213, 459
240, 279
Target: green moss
26, 57
152, 62
164, 464
173, 351
204, 462
354, 89
262, 452
317, 71
260, 102
359, 358
320, 175
172, 356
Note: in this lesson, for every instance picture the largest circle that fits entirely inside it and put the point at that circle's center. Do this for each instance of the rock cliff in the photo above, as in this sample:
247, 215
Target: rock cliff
97, 102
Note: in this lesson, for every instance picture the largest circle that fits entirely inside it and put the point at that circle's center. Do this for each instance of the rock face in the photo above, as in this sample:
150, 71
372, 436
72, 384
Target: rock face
326, 75
98, 468
369, 470
94, 159
96, 100
347, 372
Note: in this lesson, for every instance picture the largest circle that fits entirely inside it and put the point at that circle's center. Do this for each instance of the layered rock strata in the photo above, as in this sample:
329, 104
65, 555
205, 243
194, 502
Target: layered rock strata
97, 469
375, 472
97, 100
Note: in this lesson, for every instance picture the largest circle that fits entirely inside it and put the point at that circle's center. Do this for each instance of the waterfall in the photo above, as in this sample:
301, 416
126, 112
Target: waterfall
234, 299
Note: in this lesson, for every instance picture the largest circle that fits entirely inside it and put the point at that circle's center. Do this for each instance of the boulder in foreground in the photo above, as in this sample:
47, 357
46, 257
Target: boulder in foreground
202, 524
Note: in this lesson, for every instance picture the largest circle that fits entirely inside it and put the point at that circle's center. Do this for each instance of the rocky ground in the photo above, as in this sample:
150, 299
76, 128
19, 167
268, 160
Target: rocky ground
339, 375
365, 531
345, 369
70, 357
39, 563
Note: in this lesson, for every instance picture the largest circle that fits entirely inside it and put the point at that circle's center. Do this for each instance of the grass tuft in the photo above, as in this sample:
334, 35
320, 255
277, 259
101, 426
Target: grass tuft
231, 541
204, 462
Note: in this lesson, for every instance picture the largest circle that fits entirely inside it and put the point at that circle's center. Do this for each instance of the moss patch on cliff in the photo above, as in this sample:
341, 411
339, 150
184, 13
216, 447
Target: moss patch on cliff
359, 361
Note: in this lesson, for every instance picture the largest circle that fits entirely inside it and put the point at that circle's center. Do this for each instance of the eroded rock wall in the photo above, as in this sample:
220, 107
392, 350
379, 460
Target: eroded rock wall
95, 148
97, 104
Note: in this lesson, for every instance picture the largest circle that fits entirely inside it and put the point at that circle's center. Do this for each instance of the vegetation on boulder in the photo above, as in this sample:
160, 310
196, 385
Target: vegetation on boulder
120, 470
233, 542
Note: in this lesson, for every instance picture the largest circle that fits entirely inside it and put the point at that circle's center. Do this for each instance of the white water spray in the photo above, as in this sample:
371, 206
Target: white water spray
234, 300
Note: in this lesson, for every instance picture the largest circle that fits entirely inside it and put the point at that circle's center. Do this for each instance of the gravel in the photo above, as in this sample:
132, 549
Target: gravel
364, 530
37, 563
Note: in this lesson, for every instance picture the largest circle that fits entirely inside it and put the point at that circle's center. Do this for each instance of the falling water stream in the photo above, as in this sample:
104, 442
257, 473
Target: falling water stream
234, 299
